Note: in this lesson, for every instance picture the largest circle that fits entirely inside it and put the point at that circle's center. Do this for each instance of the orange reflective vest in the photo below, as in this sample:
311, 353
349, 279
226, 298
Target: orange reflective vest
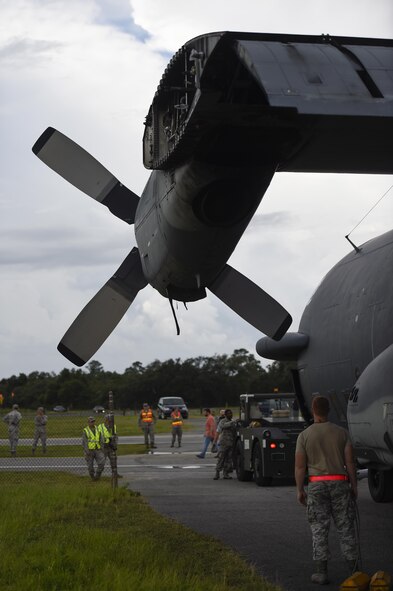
147, 416
176, 419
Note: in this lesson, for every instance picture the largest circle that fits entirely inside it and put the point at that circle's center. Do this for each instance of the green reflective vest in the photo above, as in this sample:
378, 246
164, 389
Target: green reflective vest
106, 434
93, 438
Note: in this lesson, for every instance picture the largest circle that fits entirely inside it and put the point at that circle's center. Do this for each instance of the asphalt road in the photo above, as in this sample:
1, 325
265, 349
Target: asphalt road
265, 525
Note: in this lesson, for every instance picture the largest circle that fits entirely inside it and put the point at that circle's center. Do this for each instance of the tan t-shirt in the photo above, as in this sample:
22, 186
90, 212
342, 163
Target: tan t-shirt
323, 445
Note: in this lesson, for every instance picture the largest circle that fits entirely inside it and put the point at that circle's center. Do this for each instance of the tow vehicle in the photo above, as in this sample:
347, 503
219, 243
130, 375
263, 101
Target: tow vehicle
267, 430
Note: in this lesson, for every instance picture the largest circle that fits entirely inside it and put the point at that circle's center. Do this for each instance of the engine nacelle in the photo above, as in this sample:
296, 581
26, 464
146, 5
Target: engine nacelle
370, 413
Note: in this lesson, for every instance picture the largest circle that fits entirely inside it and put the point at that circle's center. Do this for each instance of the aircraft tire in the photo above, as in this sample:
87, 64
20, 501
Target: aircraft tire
242, 474
380, 484
257, 463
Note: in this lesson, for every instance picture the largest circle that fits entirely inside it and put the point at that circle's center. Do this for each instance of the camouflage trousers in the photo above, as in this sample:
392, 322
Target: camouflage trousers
177, 432
40, 433
111, 455
92, 456
148, 432
326, 500
13, 437
224, 461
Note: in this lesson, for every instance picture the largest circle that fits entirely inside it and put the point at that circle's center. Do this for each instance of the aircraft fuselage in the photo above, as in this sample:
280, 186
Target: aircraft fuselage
349, 321
344, 351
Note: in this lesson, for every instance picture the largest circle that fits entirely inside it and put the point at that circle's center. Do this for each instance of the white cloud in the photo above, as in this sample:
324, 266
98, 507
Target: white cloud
90, 68
173, 22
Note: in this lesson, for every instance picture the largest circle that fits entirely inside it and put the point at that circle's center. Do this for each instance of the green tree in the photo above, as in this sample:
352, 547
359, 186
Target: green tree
201, 381
75, 393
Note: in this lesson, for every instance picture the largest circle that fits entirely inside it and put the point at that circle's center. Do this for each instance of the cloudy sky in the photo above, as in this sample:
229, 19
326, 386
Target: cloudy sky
90, 68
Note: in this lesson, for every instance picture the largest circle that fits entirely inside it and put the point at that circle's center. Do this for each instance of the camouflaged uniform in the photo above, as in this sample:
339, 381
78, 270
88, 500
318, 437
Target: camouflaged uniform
108, 443
146, 422
227, 431
13, 419
91, 442
40, 421
323, 444
331, 499
177, 430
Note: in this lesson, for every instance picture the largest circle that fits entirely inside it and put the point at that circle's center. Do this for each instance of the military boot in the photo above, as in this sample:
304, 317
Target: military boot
217, 475
320, 576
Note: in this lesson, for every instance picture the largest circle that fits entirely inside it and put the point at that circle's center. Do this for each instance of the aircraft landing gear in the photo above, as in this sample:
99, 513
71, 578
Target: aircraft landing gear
380, 484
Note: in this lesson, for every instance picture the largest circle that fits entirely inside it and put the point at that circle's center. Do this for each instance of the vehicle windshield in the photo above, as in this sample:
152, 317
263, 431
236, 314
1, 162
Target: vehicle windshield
275, 409
175, 401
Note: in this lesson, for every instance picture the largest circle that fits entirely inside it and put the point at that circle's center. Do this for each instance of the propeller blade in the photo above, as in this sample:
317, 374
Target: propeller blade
104, 311
83, 171
251, 303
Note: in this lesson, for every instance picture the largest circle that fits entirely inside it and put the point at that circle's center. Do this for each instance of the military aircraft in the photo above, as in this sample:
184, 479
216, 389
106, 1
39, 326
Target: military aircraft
344, 350
231, 110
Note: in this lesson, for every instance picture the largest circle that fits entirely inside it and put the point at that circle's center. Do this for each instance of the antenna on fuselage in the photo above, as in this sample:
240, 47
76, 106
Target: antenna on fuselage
357, 249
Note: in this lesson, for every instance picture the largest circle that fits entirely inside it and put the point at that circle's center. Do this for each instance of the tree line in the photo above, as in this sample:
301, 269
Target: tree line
202, 381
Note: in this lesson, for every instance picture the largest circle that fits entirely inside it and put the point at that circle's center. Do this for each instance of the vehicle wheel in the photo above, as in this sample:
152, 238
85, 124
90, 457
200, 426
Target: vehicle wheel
257, 465
242, 474
380, 485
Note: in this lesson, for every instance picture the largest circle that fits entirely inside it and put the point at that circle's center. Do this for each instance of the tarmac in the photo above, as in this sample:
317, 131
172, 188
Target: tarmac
265, 525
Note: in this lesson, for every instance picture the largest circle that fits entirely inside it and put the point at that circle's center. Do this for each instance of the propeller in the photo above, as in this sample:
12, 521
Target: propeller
251, 302
92, 327
105, 310
83, 171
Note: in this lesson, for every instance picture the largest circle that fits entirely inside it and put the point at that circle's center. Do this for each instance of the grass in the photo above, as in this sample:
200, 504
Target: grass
65, 533
72, 424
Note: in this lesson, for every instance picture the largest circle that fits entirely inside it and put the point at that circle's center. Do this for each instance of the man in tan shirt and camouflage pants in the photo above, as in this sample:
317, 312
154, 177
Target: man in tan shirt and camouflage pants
324, 450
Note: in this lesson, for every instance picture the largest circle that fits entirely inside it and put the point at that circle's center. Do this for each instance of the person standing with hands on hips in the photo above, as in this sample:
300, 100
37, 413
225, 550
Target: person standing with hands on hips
324, 451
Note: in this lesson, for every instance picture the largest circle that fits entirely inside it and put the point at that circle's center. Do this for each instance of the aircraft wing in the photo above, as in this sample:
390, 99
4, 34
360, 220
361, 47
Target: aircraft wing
312, 103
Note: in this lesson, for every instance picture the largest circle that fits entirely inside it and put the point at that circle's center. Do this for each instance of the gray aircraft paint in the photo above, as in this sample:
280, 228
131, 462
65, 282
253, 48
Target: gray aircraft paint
231, 109
344, 350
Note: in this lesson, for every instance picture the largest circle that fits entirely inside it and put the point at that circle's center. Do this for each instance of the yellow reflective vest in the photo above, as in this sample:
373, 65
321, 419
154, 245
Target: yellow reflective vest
93, 438
106, 434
